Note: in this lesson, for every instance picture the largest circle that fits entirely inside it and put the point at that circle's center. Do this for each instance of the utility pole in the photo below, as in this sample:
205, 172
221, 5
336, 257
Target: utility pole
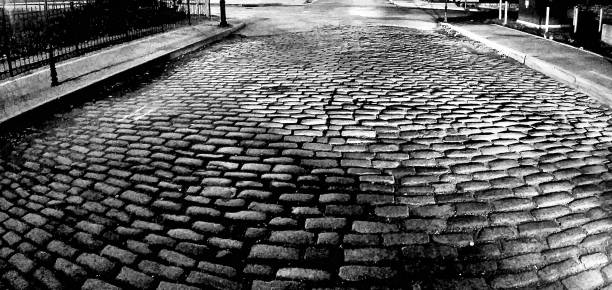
222, 12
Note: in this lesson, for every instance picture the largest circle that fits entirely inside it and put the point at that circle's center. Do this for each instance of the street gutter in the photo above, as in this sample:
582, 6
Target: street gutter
27, 92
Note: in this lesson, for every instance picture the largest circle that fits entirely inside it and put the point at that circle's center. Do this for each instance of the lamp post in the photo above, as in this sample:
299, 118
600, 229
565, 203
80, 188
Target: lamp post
222, 13
445, 10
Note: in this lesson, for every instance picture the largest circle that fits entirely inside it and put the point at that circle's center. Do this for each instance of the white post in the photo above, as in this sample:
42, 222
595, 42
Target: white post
576, 19
506, 14
500, 9
547, 18
600, 19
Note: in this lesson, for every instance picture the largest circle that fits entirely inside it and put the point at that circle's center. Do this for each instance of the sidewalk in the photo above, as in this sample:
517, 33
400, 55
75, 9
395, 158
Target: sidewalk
583, 70
259, 3
428, 5
26, 92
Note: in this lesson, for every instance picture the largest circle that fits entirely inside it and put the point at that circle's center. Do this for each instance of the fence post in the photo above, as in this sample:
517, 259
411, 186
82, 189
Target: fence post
7, 43
75, 19
54, 81
500, 10
188, 12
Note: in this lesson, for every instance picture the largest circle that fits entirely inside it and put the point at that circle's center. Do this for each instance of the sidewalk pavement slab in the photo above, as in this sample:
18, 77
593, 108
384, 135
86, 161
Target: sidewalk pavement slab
429, 5
588, 72
26, 92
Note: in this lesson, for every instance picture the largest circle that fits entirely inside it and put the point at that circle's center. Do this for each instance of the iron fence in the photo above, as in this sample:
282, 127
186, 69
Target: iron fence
35, 34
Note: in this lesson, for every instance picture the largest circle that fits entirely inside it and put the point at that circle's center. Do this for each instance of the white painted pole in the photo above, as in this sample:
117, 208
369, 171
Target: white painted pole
500, 9
506, 14
547, 18
576, 19
600, 19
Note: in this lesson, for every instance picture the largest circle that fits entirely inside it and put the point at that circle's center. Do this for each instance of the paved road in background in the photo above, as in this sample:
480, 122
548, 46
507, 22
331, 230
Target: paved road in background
362, 148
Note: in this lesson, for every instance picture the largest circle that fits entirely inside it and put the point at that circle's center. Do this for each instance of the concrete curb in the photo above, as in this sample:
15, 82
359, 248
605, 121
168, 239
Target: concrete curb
590, 88
16, 100
450, 8
259, 5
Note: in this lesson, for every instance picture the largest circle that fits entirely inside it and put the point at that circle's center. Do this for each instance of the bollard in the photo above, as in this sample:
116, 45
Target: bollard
188, 12
600, 19
576, 11
222, 13
500, 10
547, 18
207, 8
445, 11
506, 14
546, 21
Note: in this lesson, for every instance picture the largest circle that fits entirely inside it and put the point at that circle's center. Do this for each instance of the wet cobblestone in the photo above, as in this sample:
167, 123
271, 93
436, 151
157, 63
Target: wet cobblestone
398, 159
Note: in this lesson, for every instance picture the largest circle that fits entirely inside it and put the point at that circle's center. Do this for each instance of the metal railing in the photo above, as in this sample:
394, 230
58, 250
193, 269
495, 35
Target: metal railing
35, 34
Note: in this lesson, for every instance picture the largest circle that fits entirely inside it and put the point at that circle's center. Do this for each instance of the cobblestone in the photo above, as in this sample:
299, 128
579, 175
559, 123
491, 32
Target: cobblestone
349, 156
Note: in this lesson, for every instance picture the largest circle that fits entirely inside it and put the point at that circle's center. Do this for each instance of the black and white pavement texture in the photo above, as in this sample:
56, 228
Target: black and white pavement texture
342, 157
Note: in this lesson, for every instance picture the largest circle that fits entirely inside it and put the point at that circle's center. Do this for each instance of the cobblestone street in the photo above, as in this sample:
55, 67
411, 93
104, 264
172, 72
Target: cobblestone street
347, 156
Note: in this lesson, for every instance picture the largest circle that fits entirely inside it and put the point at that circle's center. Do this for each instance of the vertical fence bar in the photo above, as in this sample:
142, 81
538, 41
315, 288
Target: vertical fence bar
74, 16
38, 33
500, 10
7, 42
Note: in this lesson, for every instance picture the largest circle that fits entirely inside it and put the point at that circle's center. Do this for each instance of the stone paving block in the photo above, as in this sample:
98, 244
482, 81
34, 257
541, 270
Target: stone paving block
71, 270
277, 284
47, 278
163, 285
95, 284
134, 278
585, 280
373, 255
302, 274
360, 273
273, 252
522, 279
298, 163
210, 281
154, 269
96, 263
